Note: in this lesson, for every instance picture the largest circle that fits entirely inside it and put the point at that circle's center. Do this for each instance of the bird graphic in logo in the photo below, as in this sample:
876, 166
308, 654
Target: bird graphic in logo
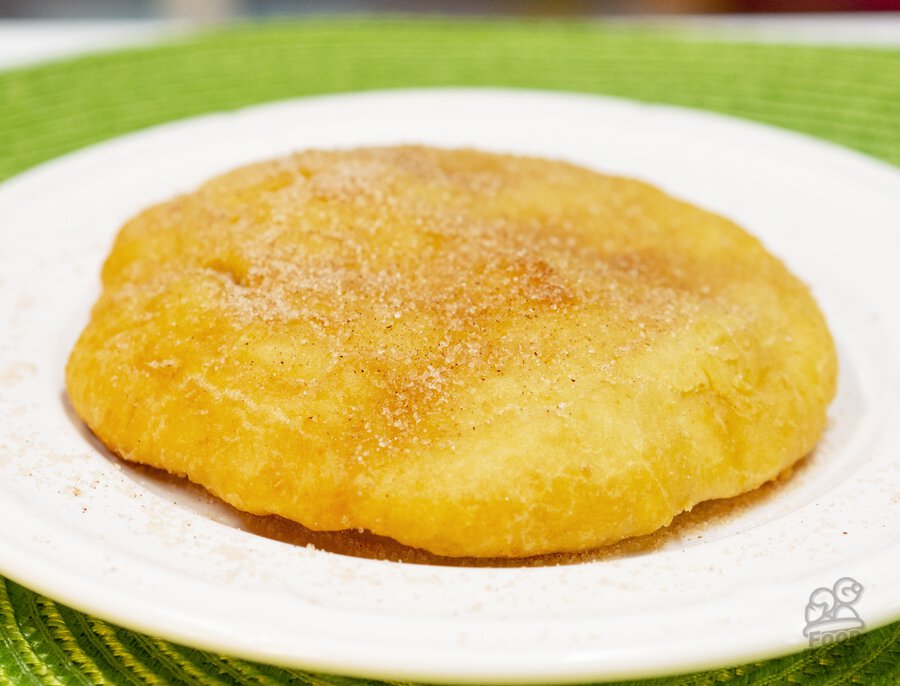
830, 615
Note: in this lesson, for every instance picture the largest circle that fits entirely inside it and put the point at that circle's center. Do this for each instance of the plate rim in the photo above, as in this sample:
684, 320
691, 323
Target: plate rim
576, 672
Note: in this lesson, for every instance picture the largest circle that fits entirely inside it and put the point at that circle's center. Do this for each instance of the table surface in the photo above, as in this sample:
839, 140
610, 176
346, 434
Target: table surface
25, 42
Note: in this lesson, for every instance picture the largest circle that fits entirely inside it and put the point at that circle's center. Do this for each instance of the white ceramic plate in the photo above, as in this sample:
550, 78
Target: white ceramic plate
80, 528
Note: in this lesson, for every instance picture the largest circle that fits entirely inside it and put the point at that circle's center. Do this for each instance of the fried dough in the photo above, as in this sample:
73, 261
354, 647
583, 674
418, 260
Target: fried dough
475, 354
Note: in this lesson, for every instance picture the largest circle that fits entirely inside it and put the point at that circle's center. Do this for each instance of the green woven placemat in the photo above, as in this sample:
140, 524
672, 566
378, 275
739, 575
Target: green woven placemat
849, 96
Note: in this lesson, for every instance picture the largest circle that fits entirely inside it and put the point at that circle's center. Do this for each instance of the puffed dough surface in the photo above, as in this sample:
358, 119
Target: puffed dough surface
476, 354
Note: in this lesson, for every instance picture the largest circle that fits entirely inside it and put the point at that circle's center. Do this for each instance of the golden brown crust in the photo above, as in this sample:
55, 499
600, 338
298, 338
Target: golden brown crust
475, 354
